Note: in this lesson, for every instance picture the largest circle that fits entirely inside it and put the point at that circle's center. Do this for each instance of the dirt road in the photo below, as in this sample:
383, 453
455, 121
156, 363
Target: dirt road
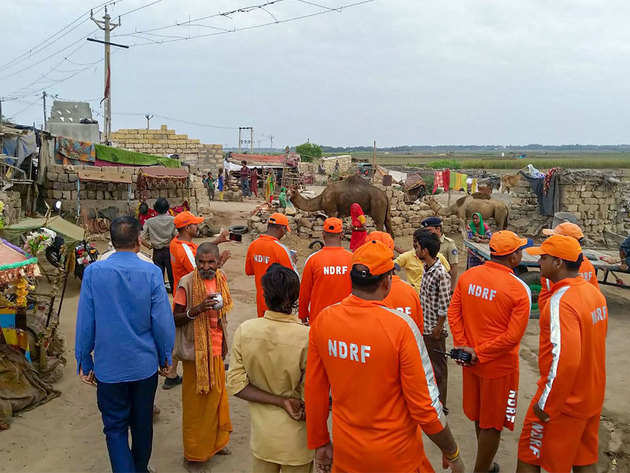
65, 435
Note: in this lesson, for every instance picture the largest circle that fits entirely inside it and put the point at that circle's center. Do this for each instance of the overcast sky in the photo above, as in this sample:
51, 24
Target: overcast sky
395, 71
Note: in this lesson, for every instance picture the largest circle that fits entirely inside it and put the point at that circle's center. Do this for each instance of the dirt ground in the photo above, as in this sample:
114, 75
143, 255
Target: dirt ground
65, 435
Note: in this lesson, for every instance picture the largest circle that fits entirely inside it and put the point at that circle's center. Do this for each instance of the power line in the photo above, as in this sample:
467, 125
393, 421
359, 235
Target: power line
52, 39
37, 49
207, 17
164, 117
251, 27
140, 8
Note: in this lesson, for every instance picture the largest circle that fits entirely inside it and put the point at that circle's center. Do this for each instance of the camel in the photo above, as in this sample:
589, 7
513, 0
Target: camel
509, 181
336, 199
465, 206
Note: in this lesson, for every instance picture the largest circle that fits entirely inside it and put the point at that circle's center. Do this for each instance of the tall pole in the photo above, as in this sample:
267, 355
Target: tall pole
251, 140
271, 142
148, 117
107, 27
44, 102
374, 160
239, 139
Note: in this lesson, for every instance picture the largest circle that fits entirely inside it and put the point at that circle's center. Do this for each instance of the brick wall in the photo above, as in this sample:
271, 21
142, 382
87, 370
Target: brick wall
61, 184
599, 203
163, 142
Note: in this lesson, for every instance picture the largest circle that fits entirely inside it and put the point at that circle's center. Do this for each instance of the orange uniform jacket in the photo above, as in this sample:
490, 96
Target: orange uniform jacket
489, 312
325, 280
375, 363
572, 355
182, 259
262, 253
403, 297
587, 271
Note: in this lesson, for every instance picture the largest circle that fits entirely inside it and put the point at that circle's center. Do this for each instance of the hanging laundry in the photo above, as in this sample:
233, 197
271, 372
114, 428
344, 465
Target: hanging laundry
438, 180
447, 180
474, 186
460, 181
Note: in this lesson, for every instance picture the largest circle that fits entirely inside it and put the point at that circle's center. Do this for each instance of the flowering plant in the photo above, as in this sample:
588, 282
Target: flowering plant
39, 240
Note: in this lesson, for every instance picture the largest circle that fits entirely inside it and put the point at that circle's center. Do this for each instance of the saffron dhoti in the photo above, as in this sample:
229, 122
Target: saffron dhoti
206, 424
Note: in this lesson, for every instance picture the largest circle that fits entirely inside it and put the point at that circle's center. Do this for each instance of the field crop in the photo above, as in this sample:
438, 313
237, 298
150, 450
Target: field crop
602, 160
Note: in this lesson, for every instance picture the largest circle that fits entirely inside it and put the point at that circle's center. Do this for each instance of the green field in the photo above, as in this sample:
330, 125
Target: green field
612, 160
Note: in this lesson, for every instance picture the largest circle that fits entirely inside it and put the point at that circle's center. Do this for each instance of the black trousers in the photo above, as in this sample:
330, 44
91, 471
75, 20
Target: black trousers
162, 259
128, 407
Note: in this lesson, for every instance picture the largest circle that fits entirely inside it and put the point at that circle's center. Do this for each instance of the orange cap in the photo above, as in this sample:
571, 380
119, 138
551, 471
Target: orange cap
384, 237
333, 225
378, 258
567, 229
559, 246
186, 218
506, 242
279, 219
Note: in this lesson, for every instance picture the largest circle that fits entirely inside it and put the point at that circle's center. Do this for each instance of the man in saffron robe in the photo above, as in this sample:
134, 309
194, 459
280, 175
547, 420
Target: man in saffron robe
202, 302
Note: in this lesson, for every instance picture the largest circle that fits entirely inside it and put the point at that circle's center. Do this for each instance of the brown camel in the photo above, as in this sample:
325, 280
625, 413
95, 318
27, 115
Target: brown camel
465, 206
337, 197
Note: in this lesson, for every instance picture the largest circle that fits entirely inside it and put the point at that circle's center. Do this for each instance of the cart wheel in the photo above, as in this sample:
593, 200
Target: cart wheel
316, 245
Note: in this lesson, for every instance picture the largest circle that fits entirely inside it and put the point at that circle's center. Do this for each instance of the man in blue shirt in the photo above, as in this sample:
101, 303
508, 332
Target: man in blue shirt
125, 318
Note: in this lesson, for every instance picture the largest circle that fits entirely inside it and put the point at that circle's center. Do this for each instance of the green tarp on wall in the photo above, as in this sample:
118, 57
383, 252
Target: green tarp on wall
122, 156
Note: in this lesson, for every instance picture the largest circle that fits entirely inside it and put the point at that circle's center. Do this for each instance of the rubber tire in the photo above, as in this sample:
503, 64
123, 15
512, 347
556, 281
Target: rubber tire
238, 229
316, 245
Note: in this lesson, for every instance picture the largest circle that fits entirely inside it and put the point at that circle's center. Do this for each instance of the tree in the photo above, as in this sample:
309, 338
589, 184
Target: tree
309, 151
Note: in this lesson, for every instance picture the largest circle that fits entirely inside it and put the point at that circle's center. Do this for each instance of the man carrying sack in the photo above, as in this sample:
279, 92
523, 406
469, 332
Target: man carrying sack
202, 302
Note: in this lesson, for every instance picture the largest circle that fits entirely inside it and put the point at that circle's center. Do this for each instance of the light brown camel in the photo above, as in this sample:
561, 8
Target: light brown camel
336, 199
465, 206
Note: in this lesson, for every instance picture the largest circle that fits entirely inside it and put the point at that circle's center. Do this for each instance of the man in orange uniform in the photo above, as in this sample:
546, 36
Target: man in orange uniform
374, 361
488, 316
183, 249
326, 275
266, 250
587, 270
561, 427
402, 296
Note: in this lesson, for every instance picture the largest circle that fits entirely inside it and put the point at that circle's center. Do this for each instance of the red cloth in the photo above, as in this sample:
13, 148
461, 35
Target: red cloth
144, 217
438, 179
441, 179
359, 232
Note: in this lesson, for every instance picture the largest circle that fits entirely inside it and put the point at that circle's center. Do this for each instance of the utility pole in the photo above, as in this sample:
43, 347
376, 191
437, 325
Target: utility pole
374, 161
148, 117
44, 101
271, 142
107, 27
251, 138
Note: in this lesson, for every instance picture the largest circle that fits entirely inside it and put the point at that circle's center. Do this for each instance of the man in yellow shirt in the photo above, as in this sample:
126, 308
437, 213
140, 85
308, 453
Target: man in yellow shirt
414, 267
267, 368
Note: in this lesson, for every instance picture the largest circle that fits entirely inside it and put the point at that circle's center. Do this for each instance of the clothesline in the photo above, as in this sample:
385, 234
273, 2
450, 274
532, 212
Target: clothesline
446, 180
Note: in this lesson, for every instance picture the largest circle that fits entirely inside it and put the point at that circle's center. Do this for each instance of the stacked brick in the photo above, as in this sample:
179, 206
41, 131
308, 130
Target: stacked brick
599, 201
12, 207
61, 184
162, 142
